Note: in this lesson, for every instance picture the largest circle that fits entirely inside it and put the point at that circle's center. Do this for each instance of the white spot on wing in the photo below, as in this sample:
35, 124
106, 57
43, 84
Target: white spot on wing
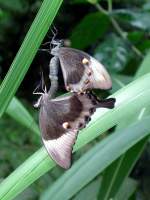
60, 149
85, 61
99, 77
65, 125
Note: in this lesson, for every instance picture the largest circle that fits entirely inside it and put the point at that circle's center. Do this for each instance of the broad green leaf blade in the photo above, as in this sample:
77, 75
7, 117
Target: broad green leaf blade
19, 113
97, 159
85, 1
92, 1
89, 192
27, 51
120, 169
144, 68
129, 99
115, 175
17, 181
119, 81
127, 189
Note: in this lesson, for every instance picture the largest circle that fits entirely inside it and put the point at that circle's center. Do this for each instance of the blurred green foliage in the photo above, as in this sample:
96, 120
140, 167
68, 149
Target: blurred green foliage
89, 25
85, 30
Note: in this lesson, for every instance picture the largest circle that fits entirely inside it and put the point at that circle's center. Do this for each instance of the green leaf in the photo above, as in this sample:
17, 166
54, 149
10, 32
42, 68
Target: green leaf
97, 159
135, 18
119, 81
129, 100
89, 192
115, 175
85, 1
78, 1
144, 68
27, 51
15, 5
120, 169
113, 53
19, 113
92, 1
126, 191
92, 27
135, 36
146, 6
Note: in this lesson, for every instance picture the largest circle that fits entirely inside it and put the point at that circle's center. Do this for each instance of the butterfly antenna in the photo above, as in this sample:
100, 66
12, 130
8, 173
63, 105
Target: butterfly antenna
46, 43
46, 50
54, 32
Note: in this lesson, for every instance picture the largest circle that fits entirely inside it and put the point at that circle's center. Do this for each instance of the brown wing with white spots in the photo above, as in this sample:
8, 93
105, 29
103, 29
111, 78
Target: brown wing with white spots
81, 71
61, 118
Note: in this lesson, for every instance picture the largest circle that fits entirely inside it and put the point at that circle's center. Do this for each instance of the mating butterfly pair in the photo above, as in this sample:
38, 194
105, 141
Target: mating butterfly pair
61, 118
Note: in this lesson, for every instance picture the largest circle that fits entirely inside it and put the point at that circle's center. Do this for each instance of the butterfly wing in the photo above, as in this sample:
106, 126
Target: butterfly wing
60, 119
81, 71
60, 149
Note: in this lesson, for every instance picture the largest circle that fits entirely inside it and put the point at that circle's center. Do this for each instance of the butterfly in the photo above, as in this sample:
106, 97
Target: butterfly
81, 72
61, 118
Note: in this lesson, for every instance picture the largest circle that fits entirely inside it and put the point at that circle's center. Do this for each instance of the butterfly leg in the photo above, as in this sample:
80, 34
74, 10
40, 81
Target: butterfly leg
53, 75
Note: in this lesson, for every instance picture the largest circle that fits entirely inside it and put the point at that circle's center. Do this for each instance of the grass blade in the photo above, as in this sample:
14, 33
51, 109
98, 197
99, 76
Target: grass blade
115, 175
97, 159
19, 113
89, 192
127, 189
27, 51
120, 169
144, 68
119, 81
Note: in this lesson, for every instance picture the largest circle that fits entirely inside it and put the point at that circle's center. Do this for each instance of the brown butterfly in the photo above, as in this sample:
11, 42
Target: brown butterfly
61, 118
81, 72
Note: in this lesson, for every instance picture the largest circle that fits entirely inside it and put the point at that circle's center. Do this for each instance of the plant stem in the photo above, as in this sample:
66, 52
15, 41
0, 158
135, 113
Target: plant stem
109, 5
117, 27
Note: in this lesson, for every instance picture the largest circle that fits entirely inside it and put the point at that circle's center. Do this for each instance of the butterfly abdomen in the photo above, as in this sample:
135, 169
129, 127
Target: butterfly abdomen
97, 103
107, 103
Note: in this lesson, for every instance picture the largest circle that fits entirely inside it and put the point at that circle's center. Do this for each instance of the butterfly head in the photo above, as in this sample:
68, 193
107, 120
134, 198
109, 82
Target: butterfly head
57, 44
